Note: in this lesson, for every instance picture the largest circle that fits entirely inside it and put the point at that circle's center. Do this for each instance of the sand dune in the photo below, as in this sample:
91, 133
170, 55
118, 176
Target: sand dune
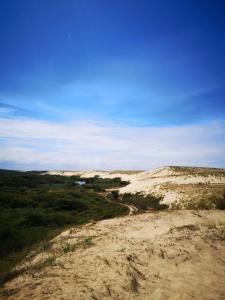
165, 255
181, 185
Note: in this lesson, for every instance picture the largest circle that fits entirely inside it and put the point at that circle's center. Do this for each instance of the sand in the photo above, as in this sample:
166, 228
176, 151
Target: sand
158, 255
174, 184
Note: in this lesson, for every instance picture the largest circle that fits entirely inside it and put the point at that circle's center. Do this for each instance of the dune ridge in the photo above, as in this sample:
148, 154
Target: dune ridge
177, 185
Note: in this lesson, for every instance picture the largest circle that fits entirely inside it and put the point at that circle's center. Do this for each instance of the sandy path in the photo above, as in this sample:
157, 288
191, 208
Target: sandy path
132, 209
164, 255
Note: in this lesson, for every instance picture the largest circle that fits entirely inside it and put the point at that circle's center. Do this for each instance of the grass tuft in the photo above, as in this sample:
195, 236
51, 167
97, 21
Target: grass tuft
86, 243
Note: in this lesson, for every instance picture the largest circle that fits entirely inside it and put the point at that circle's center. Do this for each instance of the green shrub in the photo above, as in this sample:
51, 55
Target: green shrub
11, 240
144, 202
115, 195
220, 203
69, 204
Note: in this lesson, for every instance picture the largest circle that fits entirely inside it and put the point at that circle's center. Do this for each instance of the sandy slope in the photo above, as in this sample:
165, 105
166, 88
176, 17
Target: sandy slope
176, 184
164, 255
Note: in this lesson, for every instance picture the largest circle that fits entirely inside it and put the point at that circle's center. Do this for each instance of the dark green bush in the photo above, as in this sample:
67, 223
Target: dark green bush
43, 219
220, 203
100, 184
144, 202
69, 204
11, 239
13, 200
115, 195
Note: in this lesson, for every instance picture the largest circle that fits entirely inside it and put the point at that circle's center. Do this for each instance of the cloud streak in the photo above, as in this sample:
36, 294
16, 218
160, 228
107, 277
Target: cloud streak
84, 144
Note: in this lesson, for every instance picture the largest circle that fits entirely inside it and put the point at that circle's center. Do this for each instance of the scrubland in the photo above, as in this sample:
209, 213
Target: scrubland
171, 246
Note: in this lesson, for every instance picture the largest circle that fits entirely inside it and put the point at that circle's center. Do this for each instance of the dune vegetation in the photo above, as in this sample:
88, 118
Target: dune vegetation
35, 207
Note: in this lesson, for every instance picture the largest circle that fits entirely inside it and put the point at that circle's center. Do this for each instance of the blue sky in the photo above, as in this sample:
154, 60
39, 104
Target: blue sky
131, 68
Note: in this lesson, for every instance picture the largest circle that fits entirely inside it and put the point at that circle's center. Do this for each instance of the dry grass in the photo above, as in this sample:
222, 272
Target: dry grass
198, 171
86, 243
214, 222
128, 172
30, 268
134, 284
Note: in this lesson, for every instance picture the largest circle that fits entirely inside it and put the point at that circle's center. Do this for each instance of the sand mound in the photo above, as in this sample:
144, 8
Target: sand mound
166, 255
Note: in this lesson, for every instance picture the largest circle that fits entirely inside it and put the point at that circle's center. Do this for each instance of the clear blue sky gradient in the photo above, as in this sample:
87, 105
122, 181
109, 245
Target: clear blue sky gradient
136, 63
147, 62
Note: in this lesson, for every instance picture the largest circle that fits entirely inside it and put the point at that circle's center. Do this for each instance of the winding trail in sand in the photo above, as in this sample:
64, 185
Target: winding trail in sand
132, 209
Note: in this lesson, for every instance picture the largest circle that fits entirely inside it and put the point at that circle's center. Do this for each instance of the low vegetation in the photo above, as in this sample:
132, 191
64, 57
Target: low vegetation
127, 172
70, 247
198, 171
214, 222
99, 184
210, 202
140, 201
35, 207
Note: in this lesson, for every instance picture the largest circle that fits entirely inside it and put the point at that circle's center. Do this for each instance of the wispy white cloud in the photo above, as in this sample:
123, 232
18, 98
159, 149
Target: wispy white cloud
6, 111
30, 143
